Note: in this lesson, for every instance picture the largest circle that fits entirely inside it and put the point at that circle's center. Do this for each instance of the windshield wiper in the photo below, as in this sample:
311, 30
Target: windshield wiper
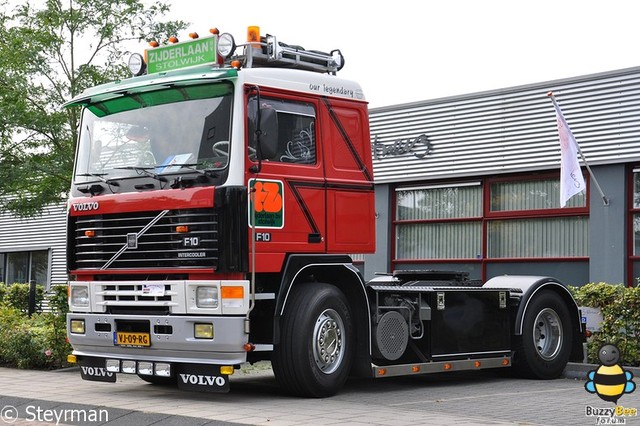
187, 182
146, 170
98, 176
192, 168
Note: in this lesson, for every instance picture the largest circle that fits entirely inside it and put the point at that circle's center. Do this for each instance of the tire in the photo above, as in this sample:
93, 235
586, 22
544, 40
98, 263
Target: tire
160, 381
543, 350
315, 352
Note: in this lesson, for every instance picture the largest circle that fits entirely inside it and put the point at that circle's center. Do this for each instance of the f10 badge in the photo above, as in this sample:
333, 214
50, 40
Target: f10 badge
191, 242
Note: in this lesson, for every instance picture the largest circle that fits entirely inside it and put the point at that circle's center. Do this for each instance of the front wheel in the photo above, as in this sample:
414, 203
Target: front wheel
315, 352
543, 350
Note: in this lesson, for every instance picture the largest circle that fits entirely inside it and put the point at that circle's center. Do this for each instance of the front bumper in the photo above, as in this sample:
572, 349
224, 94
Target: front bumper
172, 338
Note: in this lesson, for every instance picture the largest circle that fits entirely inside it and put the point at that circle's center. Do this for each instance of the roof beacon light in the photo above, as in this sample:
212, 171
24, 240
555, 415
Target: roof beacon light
253, 34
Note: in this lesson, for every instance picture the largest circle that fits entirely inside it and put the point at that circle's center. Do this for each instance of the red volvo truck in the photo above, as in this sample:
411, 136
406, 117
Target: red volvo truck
216, 199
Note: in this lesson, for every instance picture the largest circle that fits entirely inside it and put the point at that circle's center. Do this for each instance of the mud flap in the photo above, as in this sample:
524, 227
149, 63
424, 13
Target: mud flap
202, 378
93, 369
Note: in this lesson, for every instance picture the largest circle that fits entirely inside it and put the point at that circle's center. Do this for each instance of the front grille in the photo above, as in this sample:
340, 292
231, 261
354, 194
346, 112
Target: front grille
158, 244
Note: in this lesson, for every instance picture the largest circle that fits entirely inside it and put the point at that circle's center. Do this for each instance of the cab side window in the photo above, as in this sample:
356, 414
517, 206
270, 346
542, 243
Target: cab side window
296, 128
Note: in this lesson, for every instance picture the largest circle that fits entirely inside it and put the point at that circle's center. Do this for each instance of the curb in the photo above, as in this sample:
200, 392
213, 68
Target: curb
576, 370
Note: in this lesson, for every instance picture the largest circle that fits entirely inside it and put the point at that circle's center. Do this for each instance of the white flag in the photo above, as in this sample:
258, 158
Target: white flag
571, 179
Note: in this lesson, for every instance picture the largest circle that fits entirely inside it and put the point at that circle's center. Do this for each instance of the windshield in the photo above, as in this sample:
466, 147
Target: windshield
156, 135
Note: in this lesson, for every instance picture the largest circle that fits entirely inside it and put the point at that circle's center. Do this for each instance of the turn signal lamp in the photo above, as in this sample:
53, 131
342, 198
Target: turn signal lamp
232, 296
236, 64
182, 229
232, 292
249, 347
71, 359
253, 34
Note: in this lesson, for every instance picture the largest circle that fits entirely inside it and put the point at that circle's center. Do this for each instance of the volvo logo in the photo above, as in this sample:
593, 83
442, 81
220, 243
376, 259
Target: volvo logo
85, 207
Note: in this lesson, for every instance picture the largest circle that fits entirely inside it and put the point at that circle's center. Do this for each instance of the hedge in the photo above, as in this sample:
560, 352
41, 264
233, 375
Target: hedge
620, 308
36, 341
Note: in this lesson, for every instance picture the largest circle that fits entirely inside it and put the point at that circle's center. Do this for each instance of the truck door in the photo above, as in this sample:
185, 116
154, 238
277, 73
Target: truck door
289, 201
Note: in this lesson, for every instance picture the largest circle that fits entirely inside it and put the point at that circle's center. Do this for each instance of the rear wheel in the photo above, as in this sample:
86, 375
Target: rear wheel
315, 352
543, 350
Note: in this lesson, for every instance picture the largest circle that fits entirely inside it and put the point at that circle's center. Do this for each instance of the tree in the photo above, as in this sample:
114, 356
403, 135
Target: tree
48, 55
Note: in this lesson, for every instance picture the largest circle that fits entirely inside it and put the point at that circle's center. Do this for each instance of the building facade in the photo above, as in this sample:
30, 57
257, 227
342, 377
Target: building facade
33, 249
471, 183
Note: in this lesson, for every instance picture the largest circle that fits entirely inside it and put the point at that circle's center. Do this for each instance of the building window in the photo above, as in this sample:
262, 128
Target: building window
439, 222
25, 266
538, 237
500, 218
531, 223
636, 212
537, 195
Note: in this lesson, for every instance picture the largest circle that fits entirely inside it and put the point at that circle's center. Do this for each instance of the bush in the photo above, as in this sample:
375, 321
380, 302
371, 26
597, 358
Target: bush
620, 308
17, 296
38, 341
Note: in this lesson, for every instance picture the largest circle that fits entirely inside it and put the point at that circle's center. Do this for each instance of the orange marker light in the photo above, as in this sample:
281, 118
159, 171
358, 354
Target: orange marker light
154, 43
89, 233
415, 368
173, 39
214, 31
236, 64
477, 364
182, 229
382, 371
194, 35
505, 361
448, 366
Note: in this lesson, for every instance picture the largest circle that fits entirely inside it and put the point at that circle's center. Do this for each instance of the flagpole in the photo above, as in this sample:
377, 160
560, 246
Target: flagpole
605, 200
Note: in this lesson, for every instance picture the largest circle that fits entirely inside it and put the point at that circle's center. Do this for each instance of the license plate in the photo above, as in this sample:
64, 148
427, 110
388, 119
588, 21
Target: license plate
131, 339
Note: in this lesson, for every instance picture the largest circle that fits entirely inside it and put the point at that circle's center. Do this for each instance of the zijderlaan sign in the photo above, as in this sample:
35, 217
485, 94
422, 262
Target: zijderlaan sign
181, 55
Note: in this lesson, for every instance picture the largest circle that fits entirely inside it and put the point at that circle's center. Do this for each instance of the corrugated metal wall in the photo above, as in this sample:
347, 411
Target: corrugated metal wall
509, 130
44, 232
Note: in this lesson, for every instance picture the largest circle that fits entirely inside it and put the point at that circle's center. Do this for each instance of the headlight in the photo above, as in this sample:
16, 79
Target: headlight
226, 45
207, 297
136, 64
80, 296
